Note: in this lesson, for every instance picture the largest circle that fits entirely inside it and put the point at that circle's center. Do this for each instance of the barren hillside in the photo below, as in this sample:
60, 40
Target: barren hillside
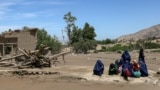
150, 32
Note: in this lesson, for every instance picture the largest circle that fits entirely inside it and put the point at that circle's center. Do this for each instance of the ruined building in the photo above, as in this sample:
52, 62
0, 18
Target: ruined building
10, 40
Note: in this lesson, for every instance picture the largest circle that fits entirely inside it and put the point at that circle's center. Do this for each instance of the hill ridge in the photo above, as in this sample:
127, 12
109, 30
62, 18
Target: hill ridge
150, 32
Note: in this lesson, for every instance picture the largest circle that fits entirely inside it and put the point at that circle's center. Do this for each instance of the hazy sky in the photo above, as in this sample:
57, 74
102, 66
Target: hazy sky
110, 18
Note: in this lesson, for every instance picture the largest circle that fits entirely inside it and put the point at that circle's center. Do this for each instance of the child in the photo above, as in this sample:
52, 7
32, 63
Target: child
136, 69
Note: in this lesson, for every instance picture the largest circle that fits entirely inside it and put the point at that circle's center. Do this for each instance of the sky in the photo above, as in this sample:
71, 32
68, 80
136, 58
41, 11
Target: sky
110, 18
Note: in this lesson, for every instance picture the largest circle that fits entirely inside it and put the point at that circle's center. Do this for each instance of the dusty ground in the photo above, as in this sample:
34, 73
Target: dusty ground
76, 74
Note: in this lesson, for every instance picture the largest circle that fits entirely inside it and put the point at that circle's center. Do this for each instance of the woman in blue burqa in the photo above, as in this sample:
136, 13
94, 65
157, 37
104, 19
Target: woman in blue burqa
98, 68
142, 63
126, 65
141, 55
126, 56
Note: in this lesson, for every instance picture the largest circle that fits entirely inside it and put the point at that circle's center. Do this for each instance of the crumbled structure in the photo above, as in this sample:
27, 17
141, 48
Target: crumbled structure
11, 40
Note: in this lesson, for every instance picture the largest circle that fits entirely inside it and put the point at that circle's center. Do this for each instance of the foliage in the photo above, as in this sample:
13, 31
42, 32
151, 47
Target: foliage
76, 35
106, 41
70, 24
83, 40
88, 32
146, 45
44, 38
150, 45
104, 49
136, 46
118, 47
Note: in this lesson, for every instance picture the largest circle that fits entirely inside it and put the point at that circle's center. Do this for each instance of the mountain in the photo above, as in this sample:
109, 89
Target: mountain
151, 32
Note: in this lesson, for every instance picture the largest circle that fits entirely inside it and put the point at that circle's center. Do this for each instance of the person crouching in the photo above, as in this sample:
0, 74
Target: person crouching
136, 69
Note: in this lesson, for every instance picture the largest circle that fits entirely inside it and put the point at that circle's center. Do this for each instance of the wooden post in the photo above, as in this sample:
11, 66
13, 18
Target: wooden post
63, 58
11, 49
3, 50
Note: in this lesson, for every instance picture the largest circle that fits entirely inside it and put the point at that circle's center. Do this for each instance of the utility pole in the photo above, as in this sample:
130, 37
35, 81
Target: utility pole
65, 48
63, 37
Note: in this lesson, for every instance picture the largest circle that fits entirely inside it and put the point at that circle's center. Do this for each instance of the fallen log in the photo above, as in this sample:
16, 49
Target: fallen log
58, 55
5, 59
37, 58
23, 54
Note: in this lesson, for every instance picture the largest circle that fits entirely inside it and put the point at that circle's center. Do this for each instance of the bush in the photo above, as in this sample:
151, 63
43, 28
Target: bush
44, 38
150, 45
118, 47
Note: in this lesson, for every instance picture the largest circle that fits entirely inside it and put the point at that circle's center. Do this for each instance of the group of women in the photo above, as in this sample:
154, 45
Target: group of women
125, 66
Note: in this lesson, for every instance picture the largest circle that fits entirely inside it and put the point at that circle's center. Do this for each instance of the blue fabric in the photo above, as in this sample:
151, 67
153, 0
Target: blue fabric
128, 66
126, 56
141, 60
125, 62
143, 69
98, 68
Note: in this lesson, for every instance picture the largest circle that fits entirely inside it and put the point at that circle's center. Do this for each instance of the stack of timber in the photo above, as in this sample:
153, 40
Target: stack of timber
33, 59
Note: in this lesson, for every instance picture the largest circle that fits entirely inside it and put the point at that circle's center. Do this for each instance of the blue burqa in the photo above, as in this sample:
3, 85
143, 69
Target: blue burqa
98, 68
125, 58
125, 63
143, 68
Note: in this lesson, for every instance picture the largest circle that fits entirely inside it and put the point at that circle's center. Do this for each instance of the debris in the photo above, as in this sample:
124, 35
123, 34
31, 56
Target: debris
33, 59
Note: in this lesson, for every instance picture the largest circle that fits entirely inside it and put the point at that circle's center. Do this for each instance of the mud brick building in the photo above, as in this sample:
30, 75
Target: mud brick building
10, 40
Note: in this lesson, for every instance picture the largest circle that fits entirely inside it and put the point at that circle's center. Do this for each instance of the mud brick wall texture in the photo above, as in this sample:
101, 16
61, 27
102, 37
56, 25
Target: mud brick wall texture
26, 38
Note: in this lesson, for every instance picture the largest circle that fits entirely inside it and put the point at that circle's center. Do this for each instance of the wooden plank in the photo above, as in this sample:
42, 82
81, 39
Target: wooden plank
5, 59
50, 57
58, 55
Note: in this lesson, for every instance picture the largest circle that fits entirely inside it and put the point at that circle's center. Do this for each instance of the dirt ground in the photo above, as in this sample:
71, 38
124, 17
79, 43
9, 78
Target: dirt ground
76, 74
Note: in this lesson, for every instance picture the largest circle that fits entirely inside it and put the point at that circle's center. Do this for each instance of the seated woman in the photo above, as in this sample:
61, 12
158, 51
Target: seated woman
126, 70
98, 68
113, 68
126, 57
136, 69
143, 69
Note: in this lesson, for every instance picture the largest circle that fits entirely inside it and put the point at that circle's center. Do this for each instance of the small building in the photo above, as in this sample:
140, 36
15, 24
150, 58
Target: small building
11, 40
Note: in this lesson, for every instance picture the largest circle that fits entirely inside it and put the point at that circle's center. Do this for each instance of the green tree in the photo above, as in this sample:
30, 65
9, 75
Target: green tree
83, 40
44, 38
76, 35
70, 20
88, 32
106, 41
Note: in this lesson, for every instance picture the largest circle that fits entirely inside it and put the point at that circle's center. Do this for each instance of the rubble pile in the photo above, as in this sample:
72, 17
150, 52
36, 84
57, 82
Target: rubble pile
35, 59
